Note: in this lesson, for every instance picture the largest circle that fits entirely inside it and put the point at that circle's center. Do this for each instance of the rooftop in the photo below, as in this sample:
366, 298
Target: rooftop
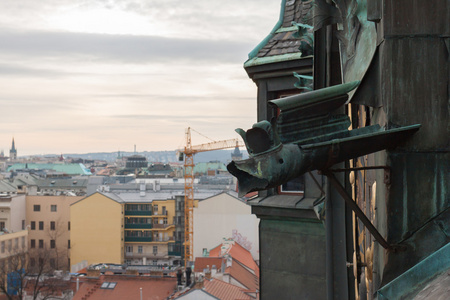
286, 41
121, 287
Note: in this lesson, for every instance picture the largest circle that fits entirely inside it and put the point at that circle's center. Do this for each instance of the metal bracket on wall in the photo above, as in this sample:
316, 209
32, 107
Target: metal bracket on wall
359, 213
387, 171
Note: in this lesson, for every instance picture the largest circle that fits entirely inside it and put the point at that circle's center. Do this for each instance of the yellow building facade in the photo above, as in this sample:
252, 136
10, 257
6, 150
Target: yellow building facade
97, 234
150, 233
115, 228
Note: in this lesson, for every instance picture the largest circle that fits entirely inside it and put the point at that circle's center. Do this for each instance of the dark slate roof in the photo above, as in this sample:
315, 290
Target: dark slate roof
281, 40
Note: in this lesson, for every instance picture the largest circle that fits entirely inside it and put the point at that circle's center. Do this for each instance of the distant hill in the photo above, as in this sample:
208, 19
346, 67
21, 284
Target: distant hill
157, 156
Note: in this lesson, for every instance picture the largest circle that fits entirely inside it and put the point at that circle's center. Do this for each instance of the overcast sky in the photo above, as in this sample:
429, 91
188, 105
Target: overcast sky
81, 76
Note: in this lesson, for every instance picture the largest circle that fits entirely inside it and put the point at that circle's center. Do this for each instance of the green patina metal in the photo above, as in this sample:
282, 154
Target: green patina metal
279, 23
256, 61
304, 82
414, 279
307, 136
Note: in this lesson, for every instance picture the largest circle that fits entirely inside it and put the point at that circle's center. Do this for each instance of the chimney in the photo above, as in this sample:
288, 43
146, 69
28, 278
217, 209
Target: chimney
92, 273
208, 274
199, 284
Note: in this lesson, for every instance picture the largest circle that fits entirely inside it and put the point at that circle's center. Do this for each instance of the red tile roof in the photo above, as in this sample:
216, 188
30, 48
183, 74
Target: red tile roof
202, 263
225, 291
127, 287
243, 275
238, 253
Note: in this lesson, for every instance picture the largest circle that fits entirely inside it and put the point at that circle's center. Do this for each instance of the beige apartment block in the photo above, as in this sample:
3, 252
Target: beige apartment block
13, 243
12, 212
48, 221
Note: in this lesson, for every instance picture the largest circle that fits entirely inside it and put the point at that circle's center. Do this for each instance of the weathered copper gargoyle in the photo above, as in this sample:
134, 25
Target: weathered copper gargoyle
307, 136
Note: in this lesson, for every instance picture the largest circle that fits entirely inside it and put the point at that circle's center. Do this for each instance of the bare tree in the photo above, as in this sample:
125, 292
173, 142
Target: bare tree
28, 273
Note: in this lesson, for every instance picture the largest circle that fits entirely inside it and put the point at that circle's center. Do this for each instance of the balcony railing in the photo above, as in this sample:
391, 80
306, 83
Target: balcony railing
174, 253
141, 239
151, 255
138, 226
138, 213
162, 239
162, 226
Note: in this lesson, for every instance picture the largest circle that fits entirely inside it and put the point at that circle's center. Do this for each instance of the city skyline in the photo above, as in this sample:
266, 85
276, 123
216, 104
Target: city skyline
103, 76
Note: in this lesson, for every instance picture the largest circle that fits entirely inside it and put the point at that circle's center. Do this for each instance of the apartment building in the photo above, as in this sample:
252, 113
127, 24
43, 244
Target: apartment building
13, 243
136, 225
12, 207
96, 234
150, 236
224, 216
13, 259
48, 218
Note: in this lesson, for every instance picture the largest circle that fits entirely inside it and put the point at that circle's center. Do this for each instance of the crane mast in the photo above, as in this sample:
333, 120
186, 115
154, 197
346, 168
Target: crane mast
189, 165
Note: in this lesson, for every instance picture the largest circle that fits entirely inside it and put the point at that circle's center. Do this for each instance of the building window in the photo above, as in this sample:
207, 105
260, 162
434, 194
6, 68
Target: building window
52, 225
23, 242
52, 263
23, 224
165, 220
41, 225
139, 249
68, 244
36, 208
53, 207
52, 244
129, 249
155, 209
294, 186
2, 226
33, 244
155, 221
33, 225
16, 243
155, 250
164, 211
68, 225
41, 244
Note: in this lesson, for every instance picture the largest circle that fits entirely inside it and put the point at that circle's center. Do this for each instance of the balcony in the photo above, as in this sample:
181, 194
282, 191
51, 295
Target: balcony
174, 253
138, 213
149, 255
162, 239
156, 213
162, 226
139, 239
138, 226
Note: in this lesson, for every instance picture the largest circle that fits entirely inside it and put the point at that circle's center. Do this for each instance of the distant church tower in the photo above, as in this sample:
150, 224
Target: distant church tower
236, 154
13, 151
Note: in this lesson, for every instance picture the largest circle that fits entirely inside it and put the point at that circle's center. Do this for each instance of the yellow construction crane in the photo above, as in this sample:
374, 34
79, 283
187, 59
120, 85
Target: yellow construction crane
189, 165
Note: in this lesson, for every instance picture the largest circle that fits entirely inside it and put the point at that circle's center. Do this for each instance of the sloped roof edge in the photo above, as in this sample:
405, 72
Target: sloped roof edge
107, 195
255, 51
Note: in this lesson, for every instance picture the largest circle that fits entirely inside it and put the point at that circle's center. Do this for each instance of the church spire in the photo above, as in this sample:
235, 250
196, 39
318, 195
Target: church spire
13, 151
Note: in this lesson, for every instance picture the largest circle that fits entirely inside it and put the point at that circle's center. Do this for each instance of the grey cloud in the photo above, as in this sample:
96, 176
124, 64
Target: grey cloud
124, 48
209, 116
16, 70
